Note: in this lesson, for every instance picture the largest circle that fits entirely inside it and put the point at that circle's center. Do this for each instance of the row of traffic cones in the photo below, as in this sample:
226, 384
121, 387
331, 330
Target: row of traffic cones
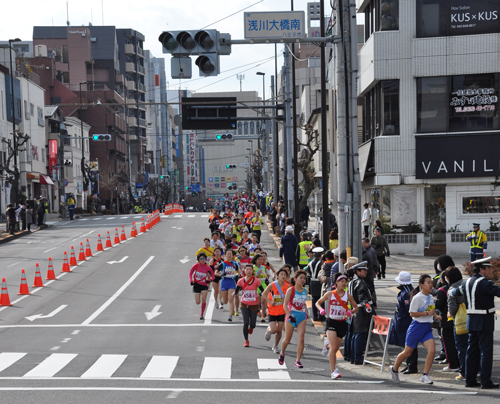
151, 221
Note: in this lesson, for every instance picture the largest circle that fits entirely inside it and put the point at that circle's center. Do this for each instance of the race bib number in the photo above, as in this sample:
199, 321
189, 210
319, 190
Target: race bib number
299, 303
337, 313
199, 276
278, 300
249, 295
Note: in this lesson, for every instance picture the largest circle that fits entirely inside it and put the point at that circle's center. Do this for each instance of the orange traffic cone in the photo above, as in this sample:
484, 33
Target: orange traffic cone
99, 243
143, 226
23, 289
123, 236
133, 231
108, 242
117, 239
50, 272
4, 298
148, 223
72, 258
65, 267
38, 278
88, 251
81, 256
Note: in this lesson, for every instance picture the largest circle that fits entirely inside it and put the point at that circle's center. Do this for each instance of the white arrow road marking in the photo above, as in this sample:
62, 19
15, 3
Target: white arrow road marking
178, 228
118, 262
186, 259
37, 316
153, 313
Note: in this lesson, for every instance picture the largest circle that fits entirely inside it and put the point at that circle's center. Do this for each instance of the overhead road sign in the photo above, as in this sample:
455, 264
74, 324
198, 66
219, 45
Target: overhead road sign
208, 113
276, 25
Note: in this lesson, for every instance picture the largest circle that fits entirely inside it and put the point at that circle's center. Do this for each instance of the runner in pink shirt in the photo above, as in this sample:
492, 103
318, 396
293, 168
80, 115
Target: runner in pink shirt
199, 277
249, 301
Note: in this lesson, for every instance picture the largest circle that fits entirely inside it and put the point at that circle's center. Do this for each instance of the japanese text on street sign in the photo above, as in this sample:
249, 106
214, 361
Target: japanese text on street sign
272, 25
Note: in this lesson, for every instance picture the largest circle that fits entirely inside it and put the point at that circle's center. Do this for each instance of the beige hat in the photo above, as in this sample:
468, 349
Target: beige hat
352, 261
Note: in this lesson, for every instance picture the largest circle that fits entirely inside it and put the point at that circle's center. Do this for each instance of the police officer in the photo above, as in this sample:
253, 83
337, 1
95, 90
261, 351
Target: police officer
479, 294
302, 248
478, 243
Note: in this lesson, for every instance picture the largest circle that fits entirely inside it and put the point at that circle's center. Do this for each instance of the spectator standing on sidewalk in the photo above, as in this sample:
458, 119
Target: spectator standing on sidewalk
29, 217
366, 220
288, 247
379, 244
313, 269
10, 212
273, 215
22, 216
402, 320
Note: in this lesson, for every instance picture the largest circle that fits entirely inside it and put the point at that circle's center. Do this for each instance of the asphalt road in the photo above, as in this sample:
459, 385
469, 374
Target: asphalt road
123, 327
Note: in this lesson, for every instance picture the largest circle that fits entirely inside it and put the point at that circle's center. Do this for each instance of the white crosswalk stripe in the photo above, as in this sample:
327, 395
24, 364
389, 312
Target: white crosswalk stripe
98, 218
158, 367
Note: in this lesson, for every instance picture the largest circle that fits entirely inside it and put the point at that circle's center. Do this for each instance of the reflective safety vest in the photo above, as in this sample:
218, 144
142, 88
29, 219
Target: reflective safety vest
303, 258
478, 241
471, 297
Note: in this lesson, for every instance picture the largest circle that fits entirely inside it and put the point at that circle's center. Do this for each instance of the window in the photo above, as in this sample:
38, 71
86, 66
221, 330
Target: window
32, 108
381, 110
458, 103
240, 128
457, 17
245, 125
252, 128
41, 121
381, 15
480, 204
26, 110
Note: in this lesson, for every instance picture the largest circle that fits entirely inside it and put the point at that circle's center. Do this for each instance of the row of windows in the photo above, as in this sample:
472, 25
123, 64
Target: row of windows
437, 17
464, 103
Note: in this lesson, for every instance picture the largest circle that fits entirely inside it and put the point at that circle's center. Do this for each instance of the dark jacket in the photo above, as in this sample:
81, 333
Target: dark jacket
366, 255
11, 213
358, 289
441, 303
454, 300
324, 276
379, 244
313, 270
402, 318
288, 247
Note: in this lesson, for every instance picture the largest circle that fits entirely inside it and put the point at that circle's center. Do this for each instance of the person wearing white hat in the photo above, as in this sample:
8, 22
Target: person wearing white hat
288, 247
402, 320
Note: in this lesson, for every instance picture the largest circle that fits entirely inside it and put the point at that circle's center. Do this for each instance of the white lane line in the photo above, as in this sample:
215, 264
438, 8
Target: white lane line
98, 218
55, 348
9, 358
216, 368
82, 220
65, 340
50, 250
274, 375
178, 216
124, 217
50, 366
269, 364
191, 215
18, 262
76, 332
209, 311
112, 298
160, 367
88, 234
270, 369
199, 325
137, 217
247, 390
204, 215
105, 366
110, 218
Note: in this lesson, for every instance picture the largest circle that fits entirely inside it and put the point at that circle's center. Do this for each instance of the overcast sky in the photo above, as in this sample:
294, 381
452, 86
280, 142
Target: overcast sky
151, 17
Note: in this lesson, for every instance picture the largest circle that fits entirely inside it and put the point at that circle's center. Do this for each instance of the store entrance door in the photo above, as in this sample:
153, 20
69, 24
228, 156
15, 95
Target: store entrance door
435, 218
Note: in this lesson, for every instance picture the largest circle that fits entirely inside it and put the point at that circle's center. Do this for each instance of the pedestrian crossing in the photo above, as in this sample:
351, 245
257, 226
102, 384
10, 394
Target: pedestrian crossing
108, 366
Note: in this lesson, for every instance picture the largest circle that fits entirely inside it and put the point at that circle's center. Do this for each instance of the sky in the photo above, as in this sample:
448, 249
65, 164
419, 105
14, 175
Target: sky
151, 18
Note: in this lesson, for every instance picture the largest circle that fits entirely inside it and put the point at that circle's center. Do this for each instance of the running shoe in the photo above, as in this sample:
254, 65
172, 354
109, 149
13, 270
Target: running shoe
324, 352
236, 313
448, 369
263, 320
246, 344
426, 379
275, 349
459, 377
230, 318
250, 330
394, 375
298, 365
268, 334
281, 359
202, 318
336, 374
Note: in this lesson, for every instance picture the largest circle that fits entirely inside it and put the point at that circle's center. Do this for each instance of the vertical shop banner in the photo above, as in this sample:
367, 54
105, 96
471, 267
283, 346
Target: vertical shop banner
192, 157
203, 166
157, 74
52, 154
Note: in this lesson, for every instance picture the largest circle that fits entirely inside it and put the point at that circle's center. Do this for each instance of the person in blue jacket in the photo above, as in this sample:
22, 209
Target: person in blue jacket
402, 320
288, 247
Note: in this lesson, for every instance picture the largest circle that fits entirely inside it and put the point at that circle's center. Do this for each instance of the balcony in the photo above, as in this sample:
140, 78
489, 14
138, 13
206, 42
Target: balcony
142, 123
130, 67
141, 70
116, 121
131, 85
141, 106
140, 52
141, 88
132, 121
119, 78
129, 49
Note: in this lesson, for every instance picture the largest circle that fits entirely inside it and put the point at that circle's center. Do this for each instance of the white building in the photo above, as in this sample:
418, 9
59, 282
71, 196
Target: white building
429, 81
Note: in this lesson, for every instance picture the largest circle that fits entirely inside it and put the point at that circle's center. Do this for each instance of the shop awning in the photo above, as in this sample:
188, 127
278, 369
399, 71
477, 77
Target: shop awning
364, 154
45, 179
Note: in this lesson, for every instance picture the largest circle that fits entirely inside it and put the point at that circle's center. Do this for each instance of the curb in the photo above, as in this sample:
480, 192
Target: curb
22, 234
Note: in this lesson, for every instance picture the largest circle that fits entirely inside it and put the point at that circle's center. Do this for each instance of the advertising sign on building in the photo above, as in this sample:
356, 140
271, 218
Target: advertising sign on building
282, 24
192, 157
473, 17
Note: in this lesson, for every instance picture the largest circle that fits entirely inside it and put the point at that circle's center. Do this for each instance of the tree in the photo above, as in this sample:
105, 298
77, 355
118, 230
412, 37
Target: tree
160, 190
255, 174
307, 151
108, 179
12, 170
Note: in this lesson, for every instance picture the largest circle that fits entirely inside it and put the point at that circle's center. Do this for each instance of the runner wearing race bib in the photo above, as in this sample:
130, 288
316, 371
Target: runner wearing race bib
249, 301
229, 272
338, 312
214, 263
207, 249
198, 276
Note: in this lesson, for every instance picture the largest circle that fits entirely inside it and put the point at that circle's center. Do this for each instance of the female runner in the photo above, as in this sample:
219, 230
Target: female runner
228, 269
206, 249
249, 301
274, 295
336, 324
198, 279
295, 310
214, 263
260, 273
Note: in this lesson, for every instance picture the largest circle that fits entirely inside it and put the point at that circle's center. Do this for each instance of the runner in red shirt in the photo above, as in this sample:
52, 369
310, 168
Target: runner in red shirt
199, 277
249, 301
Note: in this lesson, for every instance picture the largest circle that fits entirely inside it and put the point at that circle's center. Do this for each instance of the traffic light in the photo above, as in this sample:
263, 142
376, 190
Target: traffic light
101, 138
193, 193
208, 64
231, 166
191, 42
187, 188
224, 136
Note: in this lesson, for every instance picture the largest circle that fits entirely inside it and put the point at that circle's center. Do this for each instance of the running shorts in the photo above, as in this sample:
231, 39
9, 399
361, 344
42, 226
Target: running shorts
227, 284
197, 288
278, 319
299, 316
340, 327
418, 332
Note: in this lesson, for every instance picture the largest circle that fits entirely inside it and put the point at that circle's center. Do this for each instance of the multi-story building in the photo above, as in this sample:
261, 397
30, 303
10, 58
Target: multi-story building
429, 82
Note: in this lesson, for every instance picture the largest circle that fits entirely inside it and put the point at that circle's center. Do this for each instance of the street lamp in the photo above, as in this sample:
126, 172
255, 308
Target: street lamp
83, 140
16, 180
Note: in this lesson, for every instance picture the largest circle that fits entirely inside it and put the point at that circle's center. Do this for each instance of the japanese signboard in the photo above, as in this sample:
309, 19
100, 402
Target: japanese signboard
192, 157
473, 17
275, 25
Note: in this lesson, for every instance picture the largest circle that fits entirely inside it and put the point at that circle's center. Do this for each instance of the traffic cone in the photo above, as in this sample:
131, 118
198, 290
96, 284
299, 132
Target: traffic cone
117, 239
133, 231
88, 251
38, 278
23, 289
108, 242
123, 236
72, 258
4, 297
143, 226
50, 272
81, 256
99, 243
65, 267
148, 222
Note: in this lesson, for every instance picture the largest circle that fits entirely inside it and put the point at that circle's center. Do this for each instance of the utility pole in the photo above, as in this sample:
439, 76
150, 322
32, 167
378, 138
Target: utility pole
287, 138
276, 163
296, 211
